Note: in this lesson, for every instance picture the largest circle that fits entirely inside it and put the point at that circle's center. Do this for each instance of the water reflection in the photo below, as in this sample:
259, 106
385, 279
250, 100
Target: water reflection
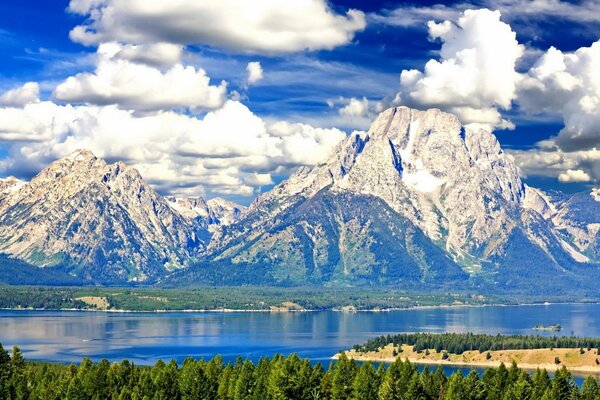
147, 337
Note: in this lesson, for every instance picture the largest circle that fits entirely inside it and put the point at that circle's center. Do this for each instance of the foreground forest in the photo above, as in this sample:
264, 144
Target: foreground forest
277, 378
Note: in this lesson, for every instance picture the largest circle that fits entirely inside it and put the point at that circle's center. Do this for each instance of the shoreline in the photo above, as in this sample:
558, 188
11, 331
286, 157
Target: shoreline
480, 364
291, 310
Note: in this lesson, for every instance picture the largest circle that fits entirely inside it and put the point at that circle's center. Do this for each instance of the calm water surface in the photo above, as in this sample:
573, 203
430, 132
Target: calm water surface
67, 336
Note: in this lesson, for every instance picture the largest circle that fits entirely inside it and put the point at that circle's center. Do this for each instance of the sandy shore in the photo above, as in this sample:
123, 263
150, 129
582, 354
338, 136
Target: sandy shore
542, 358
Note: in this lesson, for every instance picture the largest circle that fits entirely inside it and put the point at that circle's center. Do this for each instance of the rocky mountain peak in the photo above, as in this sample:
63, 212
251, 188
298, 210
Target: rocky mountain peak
454, 182
82, 211
214, 213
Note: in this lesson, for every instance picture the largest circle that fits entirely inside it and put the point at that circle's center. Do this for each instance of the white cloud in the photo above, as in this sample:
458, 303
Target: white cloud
230, 151
302, 144
155, 54
574, 175
356, 108
17, 97
255, 72
140, 86
567, 84
475, 75
549, 161
266, 26
407, 15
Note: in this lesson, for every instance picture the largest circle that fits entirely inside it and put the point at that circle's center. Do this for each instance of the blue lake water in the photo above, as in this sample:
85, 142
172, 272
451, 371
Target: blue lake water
67, 336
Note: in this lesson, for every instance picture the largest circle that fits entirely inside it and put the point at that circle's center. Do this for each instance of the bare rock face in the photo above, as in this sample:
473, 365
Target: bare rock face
425, 186
453, 183
101, 220
211, 214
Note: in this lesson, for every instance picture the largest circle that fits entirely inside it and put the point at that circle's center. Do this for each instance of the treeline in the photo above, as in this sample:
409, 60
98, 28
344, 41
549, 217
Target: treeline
458, 343
212, 298
276, 378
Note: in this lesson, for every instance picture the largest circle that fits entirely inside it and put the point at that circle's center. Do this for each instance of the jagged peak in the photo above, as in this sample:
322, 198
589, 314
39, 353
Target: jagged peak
221, 202
81, 155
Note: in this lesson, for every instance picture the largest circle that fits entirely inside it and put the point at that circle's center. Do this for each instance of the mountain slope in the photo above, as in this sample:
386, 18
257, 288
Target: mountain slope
103, 221
416, 185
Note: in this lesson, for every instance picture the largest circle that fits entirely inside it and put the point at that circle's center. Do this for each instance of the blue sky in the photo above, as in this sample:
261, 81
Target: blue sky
302, 90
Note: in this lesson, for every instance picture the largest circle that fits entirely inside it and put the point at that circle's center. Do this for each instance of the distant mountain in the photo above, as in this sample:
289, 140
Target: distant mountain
212, 214
98, 221
419, 199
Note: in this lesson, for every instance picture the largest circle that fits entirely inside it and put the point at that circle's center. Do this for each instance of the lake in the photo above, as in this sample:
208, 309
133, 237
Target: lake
68, 336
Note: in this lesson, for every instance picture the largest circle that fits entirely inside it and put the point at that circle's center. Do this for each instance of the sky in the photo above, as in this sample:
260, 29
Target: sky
227, 98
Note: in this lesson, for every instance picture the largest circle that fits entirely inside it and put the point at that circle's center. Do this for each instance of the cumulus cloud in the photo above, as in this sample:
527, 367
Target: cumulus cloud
255, 72
356, 108
135, 86
155, 54
475, 75
302, 144
567, 84
574, 175
549, 161
230, 151
17, 97
269, 26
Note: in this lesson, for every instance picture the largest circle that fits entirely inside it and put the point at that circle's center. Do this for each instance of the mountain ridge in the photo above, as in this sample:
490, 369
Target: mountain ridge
417, 201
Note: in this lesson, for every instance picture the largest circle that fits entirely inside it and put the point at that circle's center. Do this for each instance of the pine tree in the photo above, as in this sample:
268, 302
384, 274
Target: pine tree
5, 373
389, 389
562, 384
192, 380
415, 390
245, 381
343, 375
365, 383
590, 389
76, 390
455, 389
18, 382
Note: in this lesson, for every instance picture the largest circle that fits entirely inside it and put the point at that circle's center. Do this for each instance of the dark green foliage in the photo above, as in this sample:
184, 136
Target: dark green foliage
457, 343
278, 378
17, 272
212, 298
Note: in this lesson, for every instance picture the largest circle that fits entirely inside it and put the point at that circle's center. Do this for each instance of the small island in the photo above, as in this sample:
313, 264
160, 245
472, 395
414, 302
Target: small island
555, 327
473, 350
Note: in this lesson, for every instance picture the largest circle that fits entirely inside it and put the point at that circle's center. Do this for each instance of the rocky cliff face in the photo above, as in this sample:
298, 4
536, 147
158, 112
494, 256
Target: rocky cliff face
101, 220
211, 214
421, 170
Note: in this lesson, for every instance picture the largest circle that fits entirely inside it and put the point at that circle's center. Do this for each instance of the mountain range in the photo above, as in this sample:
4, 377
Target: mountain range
419, 201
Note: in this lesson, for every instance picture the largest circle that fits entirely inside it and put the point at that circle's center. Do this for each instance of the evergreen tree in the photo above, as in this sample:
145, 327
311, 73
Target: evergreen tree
590, 389
366, 383
455, 388
192, 380
4, 373
343, 376
390, 386
415, 390
541, 383
214, 369
261, 379
18, 381
76, 390
562, 385
245, 381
